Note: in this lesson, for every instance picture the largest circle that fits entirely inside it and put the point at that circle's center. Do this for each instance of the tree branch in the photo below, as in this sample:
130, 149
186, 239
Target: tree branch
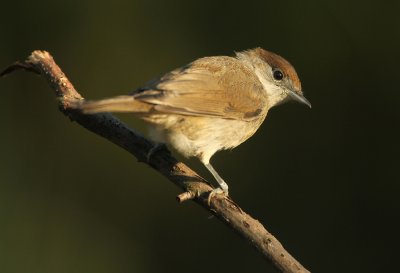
194, 186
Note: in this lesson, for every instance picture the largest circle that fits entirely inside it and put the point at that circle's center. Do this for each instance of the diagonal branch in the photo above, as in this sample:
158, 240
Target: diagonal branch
194, 186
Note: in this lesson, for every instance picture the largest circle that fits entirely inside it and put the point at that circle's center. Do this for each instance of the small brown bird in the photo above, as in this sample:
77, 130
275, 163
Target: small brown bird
211, 104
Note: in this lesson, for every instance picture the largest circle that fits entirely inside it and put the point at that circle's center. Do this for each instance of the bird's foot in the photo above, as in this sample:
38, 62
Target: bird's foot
216, 191
156, 148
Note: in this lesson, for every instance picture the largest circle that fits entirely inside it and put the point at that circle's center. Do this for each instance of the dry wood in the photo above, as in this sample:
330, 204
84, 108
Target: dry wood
194, 186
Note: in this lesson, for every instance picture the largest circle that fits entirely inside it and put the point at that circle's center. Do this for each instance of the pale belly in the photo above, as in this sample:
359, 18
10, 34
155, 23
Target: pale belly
200, 136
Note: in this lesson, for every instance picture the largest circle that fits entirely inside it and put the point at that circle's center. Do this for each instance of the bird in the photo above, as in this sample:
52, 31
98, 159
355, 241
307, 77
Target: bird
211, 104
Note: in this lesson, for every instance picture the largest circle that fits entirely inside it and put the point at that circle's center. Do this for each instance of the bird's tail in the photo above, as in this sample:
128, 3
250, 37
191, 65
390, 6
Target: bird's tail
126, 104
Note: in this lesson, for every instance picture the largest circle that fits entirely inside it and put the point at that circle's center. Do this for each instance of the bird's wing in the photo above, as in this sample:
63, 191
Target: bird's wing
213, 86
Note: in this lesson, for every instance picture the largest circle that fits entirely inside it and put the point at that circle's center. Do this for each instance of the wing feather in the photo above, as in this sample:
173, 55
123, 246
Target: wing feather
213, 86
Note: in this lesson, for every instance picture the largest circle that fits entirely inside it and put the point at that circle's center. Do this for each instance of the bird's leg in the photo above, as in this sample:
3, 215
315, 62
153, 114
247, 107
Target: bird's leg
223, 187
156, 148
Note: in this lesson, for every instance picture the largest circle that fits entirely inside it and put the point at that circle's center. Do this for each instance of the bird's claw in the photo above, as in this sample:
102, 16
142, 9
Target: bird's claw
214, 192
156, 148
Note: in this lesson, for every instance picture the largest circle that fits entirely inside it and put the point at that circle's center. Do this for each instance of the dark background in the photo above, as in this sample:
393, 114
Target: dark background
325, 181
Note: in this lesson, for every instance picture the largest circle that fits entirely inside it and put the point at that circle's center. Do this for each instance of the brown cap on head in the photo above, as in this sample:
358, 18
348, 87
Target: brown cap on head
276, 61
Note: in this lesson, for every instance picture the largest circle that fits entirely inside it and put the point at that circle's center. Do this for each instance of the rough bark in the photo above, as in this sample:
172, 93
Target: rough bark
194, 187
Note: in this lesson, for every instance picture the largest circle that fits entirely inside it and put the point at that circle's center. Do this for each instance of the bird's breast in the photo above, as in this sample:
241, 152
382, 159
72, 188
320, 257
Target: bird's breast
201, 136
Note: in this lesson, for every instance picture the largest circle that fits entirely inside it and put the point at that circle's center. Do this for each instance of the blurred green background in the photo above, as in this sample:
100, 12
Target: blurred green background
324, 181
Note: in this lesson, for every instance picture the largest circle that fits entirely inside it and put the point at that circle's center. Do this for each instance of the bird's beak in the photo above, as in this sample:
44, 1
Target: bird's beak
300, 98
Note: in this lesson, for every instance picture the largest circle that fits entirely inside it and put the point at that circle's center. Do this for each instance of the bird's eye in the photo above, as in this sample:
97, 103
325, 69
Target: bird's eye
278, 74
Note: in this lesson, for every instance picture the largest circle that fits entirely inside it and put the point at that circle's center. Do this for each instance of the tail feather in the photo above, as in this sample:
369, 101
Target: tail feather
126, 104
